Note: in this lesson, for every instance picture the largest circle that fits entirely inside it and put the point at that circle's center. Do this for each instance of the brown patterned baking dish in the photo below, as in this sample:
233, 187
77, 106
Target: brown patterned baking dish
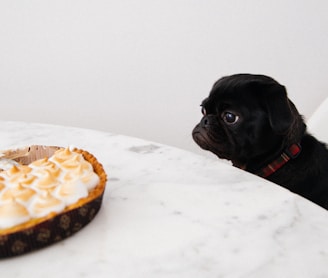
46, 194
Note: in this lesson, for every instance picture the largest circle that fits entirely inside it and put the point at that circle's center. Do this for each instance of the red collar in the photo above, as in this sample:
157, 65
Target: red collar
289, 153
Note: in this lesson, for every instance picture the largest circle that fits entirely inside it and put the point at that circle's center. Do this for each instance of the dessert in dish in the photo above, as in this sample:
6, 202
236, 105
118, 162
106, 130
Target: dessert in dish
46, 191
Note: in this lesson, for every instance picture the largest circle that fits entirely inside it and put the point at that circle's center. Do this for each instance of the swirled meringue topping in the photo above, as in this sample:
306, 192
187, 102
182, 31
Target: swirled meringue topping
44, 186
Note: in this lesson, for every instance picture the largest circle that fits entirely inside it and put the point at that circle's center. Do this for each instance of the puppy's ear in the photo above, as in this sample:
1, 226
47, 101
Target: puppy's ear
279, 109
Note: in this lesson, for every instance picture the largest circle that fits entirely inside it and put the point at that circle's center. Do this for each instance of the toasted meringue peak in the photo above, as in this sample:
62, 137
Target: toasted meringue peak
43, 163
90, 180
46, 179
71, 191
62, 155
45, 204
6, 164
13, 171
27, 180
18, 193
24, 179
40, 162
12, 213
24, 169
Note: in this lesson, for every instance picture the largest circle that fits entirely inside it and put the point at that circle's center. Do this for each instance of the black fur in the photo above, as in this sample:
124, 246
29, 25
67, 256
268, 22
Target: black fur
267, 122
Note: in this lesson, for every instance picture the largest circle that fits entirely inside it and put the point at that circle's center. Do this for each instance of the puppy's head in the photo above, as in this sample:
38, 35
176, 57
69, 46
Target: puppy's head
247, 118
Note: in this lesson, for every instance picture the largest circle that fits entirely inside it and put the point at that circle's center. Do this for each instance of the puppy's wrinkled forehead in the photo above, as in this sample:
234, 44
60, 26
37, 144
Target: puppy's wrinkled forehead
242, 80
239, 87
240, 84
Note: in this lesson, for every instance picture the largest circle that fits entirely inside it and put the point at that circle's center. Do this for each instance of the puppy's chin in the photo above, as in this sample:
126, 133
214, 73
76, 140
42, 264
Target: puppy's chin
203, 140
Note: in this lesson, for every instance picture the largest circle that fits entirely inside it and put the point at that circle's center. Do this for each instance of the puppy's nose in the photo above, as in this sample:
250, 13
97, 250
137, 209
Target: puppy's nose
204, 122
207, 120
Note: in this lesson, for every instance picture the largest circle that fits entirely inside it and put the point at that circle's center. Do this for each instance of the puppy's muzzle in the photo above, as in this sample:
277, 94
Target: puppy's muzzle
207, 121
202, 132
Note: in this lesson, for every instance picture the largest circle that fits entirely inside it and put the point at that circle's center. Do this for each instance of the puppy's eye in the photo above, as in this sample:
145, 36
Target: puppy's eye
230, 118
204, 111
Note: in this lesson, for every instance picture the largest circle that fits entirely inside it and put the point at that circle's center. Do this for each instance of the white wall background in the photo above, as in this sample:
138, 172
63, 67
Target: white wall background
141, 68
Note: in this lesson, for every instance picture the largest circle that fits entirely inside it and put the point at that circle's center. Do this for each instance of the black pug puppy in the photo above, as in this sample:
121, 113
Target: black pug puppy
249, 120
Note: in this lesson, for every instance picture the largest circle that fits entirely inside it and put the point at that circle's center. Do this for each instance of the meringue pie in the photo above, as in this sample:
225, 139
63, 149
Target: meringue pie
36, 192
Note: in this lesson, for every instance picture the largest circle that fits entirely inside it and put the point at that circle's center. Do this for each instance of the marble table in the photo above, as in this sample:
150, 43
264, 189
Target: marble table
171, 213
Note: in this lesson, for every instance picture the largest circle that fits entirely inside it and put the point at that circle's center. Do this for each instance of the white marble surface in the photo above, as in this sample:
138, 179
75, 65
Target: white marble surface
170, 213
